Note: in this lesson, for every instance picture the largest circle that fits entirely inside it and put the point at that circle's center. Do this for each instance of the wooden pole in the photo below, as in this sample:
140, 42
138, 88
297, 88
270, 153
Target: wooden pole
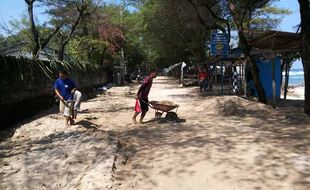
287, 75
222, 79
241, 70
273, 73
273, 81
215, 73
244, 79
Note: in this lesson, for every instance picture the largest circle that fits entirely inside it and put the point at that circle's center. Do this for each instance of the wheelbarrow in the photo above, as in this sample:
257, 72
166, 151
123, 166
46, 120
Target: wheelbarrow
161, 108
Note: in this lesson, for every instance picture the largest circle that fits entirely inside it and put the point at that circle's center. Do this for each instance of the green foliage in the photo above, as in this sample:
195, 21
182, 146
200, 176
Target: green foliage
122, 29
268, 17
18, 32
19, 67
173, 32
156, 32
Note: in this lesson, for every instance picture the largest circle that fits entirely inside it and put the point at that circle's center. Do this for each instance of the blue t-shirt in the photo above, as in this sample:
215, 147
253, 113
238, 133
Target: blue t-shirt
64, 87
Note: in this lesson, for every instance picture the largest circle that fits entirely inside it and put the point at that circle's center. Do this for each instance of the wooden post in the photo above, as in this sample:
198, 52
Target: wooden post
244, 79
273, 81
287, 75
222, 79
272, 44
215, 74
182, 74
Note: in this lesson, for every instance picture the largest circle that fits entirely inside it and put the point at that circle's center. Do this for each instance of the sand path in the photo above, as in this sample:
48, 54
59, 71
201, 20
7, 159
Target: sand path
226, 143
221, 143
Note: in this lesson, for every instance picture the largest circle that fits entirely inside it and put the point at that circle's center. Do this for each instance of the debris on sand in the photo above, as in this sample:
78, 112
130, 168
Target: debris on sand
232, 105
167, 103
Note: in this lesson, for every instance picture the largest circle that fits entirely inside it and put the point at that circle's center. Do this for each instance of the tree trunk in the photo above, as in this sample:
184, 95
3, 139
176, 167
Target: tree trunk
256, 78
306, 64
38, 43
45, 42
33, 29
287, 75
254, 69
305, 49
239, 21
61, 51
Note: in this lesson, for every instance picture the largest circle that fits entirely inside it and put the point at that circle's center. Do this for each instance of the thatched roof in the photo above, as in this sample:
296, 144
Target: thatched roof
277, 41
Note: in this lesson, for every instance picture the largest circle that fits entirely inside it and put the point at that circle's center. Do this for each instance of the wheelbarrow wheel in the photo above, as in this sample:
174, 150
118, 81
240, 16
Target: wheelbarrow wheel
158, 115
172, 116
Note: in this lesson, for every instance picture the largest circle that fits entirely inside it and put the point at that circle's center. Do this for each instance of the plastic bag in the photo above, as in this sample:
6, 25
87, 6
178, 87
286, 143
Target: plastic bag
138, 106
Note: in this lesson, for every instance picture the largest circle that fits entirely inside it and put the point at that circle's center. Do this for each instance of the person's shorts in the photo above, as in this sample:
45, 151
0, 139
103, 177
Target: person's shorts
144, 105
77, 97
66, 109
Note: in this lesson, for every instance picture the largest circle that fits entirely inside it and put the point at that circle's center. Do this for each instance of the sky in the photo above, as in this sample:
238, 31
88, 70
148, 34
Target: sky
14, 9
289, 22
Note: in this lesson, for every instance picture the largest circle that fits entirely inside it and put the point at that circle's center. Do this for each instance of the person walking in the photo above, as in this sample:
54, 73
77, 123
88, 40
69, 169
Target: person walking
202, 77
142, 96
65, 89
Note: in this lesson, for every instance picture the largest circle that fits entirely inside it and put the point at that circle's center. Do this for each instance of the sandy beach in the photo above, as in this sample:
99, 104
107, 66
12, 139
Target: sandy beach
218, 143
295, 92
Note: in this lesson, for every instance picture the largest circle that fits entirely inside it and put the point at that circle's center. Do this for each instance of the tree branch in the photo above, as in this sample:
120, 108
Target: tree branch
213, 24
201, 20
51, 35
222, 20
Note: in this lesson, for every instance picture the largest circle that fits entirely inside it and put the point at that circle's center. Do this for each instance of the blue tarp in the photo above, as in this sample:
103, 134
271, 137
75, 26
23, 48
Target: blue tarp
265, 73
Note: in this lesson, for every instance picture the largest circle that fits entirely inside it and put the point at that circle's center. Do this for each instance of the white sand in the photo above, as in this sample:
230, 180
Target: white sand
296, 93
225, 143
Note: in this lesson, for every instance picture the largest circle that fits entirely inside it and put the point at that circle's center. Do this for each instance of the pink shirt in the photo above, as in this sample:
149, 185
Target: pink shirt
145, 88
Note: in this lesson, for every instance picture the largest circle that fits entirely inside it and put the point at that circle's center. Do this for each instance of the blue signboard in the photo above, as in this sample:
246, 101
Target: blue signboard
219, 44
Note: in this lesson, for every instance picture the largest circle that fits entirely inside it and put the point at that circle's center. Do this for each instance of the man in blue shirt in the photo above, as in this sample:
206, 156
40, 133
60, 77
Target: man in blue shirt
64, 89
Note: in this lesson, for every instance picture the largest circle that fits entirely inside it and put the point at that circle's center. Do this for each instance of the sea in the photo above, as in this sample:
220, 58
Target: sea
296, 77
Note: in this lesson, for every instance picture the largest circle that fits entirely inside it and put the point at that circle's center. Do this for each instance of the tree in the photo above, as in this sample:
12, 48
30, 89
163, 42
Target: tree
99, 37
37, 40
173, 32
134, 49
305, 49
70, 13
17, 31
212, 14
287, 61
241, 11
243, 16
267, 17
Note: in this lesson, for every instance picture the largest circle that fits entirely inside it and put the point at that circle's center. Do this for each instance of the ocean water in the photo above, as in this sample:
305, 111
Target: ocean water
296, 77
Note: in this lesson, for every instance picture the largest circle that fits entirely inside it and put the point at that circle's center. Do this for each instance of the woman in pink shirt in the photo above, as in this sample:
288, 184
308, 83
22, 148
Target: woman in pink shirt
142, 96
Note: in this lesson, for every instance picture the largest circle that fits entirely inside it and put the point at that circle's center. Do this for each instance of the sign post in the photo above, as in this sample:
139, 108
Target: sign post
220, 47
219, 44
